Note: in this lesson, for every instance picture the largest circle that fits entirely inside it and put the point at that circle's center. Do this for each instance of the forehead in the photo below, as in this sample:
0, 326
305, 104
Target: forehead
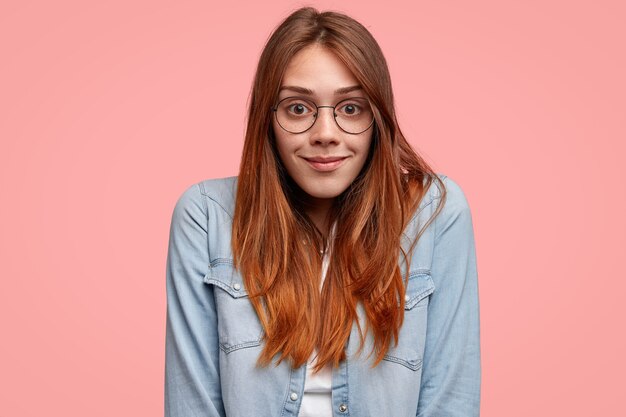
318, 69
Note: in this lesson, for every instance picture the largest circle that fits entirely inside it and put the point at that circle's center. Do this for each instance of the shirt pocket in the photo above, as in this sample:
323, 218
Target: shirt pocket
411, 339
238, 324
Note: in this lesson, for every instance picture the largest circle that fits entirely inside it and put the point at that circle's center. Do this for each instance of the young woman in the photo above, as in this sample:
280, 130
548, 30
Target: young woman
336, 274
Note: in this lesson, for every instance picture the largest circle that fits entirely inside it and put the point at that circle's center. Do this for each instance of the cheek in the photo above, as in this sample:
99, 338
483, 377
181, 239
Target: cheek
285, 149
279, 140
363, 154
362, 148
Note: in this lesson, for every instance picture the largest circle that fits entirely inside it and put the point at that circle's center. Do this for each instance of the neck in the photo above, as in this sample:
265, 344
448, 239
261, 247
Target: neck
318, 213
316, 209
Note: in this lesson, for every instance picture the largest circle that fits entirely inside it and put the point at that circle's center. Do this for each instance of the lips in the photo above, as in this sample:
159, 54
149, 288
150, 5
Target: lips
325, 163
325, 159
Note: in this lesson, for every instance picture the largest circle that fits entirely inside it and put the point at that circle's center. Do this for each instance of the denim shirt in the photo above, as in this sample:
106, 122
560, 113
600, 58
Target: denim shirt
213, 335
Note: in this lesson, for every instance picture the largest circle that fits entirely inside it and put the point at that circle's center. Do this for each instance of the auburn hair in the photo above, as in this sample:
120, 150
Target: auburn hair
276, 246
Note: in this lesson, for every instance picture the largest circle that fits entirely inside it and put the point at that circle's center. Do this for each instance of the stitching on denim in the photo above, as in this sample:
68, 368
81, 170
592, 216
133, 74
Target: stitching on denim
347, 396
415, 300
206, 208
404, 362
218, 203
206, 217
218, 283
417, 213
235, 294
301, 374
221, 261
230, 348
287, 393
418, 272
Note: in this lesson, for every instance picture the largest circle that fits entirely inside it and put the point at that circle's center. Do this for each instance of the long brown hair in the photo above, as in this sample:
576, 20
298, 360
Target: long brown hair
276, 246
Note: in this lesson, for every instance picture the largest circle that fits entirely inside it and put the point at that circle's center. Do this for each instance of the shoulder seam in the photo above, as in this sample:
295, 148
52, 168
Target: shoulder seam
204, 193
206, 208
206, 225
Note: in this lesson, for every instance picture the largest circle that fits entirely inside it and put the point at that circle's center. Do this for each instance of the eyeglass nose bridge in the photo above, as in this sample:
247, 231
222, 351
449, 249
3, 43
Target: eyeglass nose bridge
316, 114
328, 107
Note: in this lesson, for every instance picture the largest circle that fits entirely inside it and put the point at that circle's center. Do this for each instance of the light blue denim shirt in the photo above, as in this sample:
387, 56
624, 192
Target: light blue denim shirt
213, 335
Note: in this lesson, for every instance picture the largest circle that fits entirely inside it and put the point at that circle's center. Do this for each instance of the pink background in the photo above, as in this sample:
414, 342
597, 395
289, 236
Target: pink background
109, 110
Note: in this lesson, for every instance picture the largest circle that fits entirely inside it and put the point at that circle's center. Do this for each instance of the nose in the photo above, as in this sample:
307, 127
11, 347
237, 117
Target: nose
325, 129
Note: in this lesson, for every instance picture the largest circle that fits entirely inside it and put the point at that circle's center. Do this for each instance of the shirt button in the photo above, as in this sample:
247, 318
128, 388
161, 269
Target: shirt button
293, 396
343, 408
237, 287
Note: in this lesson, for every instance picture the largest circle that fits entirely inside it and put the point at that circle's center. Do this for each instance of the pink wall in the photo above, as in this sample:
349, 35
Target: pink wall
108, 110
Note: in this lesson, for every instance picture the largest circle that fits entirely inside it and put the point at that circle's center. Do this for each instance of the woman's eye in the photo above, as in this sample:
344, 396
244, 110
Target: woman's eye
298, 109
350, 109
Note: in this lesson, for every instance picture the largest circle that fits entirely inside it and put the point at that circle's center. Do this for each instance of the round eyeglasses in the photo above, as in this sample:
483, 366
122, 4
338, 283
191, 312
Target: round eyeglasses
297, 115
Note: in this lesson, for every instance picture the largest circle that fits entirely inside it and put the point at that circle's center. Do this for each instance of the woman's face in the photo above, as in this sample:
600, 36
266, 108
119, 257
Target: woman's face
324, 160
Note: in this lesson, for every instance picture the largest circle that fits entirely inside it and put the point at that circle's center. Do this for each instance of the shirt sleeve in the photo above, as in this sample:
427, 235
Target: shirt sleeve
192, 381
451, 372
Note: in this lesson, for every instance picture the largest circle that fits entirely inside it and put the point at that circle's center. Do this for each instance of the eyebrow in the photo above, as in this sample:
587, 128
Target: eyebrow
306, 91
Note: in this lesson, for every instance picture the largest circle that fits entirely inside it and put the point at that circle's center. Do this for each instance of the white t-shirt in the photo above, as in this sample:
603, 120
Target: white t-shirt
317, 398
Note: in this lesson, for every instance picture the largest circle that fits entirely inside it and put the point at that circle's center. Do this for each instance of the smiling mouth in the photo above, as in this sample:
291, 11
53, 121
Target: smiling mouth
326, 164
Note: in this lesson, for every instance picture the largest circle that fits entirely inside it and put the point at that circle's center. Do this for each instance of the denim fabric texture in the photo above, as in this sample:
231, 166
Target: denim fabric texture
213, 335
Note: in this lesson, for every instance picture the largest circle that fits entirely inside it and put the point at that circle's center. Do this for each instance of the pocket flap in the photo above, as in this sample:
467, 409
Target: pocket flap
225, 276
419, 286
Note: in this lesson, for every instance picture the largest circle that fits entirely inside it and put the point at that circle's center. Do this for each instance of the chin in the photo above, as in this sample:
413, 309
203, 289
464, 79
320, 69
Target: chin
323, 191
325, 195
